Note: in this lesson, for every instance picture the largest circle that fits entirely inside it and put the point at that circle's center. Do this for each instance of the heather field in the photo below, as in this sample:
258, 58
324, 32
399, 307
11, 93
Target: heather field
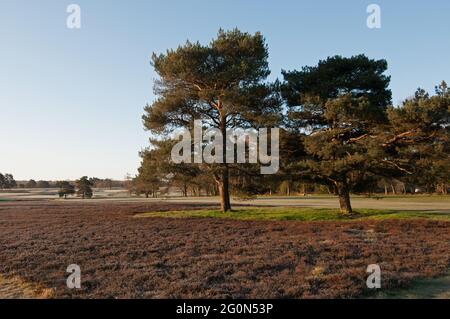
132, 250
225, 159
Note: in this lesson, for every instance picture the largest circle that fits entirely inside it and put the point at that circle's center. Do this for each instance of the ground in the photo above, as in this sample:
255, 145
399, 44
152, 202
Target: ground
422, 203
434, 288
124, 256
299, 214
16, 288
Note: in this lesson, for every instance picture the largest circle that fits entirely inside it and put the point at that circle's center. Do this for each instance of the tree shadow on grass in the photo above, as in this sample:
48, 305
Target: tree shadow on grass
435, 288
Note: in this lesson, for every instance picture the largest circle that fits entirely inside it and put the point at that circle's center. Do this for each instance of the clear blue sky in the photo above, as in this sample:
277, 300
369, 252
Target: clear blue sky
71, 101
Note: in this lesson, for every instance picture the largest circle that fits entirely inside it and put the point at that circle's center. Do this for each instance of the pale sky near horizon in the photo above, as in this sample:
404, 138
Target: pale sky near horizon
71, 101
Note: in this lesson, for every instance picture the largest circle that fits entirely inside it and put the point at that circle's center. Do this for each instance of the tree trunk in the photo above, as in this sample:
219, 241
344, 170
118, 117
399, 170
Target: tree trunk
224, 181
344, 199
393, 188
224, 190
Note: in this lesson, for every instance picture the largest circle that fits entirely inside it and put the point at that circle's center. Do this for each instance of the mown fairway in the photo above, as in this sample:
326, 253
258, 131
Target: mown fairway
122, 256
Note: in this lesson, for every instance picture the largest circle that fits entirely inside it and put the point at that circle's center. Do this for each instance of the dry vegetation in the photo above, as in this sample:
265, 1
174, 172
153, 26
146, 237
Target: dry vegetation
16, 288
121, 256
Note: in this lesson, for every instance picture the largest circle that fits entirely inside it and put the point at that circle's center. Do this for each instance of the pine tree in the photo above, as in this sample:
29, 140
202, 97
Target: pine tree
335, 106
84, 187
222, 83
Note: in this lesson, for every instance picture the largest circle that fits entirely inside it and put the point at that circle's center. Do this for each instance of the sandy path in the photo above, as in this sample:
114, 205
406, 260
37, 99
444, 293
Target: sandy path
414, 203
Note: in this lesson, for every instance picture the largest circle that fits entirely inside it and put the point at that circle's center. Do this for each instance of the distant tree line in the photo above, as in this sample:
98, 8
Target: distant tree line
340, 133
7, 181
82, 187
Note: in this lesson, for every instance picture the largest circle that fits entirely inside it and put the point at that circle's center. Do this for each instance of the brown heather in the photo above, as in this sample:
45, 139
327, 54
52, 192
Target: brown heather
125, 257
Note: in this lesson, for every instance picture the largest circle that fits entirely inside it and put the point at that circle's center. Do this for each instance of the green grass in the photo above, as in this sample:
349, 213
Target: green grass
409, 198
297, 213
